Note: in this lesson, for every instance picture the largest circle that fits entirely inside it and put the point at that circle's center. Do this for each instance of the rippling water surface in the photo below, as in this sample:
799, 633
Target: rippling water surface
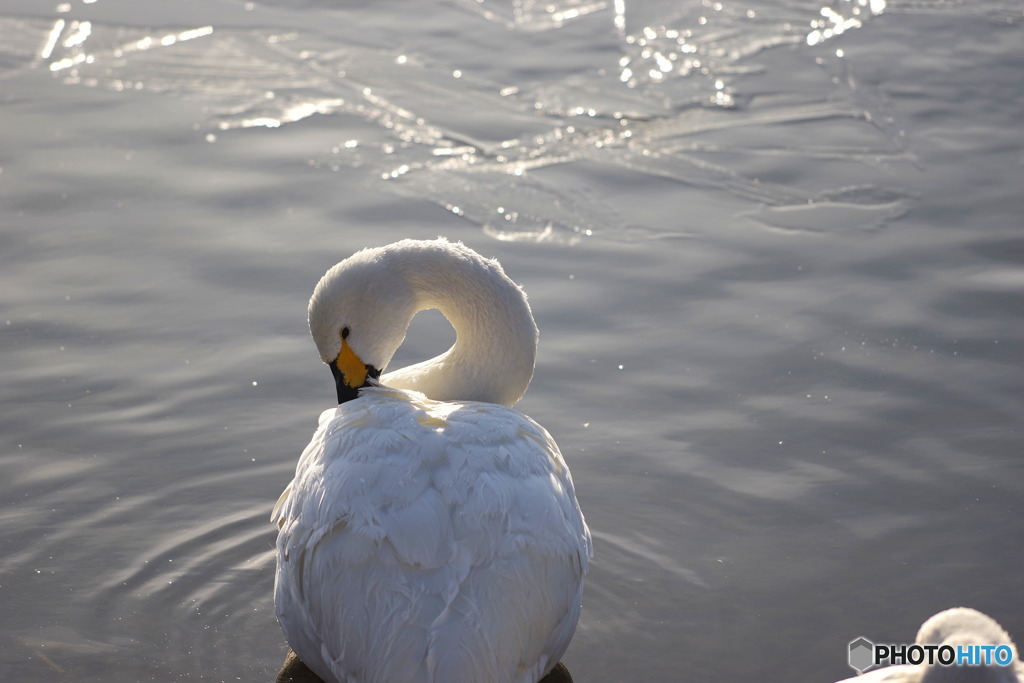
775, 250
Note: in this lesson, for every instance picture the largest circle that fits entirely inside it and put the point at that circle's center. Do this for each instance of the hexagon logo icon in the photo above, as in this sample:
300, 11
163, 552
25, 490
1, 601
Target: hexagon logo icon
861, 654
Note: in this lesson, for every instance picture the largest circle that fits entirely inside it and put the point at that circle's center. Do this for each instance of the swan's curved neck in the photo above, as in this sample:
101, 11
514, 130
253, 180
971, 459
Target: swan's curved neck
496, 337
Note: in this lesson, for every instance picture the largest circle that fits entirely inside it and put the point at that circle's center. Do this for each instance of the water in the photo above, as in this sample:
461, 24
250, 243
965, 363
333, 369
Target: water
775, 253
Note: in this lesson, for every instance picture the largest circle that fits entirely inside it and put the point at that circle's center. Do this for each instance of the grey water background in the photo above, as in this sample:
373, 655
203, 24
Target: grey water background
775, 251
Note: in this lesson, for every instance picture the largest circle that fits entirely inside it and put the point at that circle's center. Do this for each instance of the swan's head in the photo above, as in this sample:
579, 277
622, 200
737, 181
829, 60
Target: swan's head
358, 316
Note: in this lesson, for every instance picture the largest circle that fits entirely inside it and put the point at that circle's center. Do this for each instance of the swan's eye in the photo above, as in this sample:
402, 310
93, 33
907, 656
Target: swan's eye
344, 333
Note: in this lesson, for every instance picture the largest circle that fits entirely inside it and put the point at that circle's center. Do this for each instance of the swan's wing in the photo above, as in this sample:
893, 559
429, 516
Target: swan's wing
516, 512
909, 673
903, 673
430, 541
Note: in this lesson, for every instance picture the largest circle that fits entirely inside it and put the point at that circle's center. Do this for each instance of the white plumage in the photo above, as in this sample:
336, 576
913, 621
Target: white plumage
434, 536
959, 626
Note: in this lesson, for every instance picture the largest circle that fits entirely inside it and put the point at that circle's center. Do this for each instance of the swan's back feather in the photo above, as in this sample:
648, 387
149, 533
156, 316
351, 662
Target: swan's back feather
414, 538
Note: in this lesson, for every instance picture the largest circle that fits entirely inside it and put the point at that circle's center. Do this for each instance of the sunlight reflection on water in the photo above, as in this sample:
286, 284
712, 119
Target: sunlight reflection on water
777, 285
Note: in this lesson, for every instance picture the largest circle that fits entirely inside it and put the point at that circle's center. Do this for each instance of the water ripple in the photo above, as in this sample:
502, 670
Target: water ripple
627, 116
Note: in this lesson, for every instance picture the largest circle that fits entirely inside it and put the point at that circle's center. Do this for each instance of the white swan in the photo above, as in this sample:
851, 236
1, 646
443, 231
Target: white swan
954, 627
431, 532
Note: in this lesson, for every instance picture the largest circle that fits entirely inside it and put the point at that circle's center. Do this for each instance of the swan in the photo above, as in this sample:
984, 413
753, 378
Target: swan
953, 627
431, 532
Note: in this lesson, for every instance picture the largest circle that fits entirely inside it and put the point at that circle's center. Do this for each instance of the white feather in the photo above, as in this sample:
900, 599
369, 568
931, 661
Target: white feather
424, 540
959, 626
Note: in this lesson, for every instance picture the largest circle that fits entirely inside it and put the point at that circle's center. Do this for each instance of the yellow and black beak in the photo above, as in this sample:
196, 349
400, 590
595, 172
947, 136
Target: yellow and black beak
350, 373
